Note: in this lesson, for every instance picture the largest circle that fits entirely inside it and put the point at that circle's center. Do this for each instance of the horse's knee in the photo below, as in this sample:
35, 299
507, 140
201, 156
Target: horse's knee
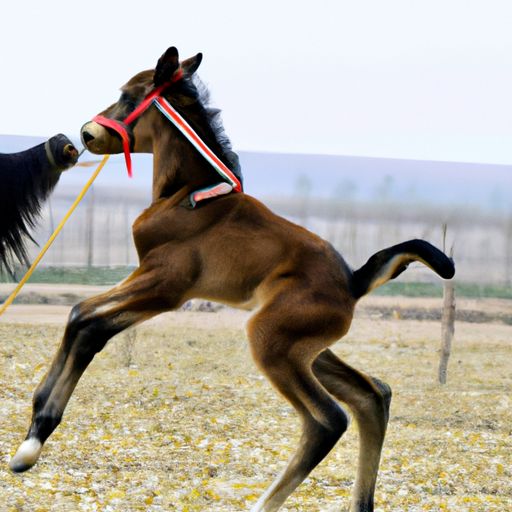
86, 334
77, 321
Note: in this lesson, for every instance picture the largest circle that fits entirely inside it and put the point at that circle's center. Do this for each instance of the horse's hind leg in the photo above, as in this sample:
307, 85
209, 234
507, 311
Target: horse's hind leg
285, 354
369, 400
91, 324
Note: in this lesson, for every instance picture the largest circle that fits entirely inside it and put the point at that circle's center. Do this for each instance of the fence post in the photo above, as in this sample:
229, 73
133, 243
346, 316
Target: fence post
448, 321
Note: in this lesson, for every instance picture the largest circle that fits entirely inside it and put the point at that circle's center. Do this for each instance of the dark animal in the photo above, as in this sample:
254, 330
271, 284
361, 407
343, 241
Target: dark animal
232, 249
26, 180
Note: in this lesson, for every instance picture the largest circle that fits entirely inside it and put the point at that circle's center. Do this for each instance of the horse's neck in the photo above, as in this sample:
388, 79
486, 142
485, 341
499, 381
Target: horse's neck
178, 166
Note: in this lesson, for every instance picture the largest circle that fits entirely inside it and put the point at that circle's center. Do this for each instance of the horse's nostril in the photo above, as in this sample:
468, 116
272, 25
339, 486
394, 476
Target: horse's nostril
87, 137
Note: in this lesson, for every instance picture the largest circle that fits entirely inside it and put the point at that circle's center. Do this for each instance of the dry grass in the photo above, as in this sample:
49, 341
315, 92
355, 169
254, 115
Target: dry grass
186, 422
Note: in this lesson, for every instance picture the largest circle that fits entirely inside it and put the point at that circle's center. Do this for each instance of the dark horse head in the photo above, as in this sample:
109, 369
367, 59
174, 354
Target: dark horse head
26, 180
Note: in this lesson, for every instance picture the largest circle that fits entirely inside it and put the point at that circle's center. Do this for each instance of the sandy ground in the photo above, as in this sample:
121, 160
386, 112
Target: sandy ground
177, 417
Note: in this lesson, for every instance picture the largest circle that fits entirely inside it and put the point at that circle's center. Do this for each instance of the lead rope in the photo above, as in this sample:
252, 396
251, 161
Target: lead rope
58, 229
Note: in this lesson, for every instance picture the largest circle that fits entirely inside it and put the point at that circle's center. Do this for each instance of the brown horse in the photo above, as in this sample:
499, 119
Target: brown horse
232, 249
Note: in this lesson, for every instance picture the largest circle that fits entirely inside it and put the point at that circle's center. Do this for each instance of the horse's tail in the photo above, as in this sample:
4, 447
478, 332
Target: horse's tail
26, 180
391, 262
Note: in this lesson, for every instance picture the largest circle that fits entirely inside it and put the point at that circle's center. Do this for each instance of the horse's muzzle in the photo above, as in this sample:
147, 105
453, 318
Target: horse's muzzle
98, 140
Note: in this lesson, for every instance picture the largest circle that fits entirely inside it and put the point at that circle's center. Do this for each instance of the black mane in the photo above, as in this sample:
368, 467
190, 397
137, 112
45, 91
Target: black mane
215, 135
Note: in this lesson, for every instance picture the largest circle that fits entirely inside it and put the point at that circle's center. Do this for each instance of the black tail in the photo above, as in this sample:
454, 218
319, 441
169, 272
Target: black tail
26, 180
391, 262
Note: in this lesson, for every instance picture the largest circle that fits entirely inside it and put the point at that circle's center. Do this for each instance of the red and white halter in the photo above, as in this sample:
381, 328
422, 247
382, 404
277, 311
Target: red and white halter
230, 182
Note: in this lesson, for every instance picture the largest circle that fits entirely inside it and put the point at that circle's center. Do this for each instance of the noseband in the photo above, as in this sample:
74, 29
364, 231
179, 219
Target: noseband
230, 182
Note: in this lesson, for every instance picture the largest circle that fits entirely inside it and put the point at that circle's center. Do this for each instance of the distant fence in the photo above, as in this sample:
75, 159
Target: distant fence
99, 232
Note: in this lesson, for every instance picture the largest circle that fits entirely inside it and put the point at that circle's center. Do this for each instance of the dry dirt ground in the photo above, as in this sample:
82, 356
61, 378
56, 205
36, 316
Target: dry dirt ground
176, 417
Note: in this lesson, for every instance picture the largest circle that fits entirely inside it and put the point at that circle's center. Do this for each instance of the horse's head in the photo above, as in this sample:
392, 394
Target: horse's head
168, 74
165, 112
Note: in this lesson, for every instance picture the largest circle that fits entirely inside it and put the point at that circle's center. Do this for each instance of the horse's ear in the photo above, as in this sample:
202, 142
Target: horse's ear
167, 64
190, 65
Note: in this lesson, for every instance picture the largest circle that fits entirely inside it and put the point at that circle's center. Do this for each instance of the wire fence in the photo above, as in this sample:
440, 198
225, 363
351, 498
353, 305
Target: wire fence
99, 232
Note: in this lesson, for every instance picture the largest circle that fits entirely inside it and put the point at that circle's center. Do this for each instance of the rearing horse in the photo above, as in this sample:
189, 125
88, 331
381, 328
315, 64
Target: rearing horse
230, 248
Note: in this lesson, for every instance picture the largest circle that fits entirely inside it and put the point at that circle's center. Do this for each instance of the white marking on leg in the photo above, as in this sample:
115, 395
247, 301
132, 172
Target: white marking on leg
27, 455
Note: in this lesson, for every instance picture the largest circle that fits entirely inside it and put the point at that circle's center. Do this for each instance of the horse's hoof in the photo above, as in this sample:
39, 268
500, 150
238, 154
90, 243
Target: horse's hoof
26, 456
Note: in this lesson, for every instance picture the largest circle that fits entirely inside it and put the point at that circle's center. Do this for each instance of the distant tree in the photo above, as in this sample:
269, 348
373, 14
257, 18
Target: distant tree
346, 190
497, 201
303, 188
384, 189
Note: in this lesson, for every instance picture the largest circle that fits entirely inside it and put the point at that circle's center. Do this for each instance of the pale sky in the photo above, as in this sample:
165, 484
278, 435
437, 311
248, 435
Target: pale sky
427, 79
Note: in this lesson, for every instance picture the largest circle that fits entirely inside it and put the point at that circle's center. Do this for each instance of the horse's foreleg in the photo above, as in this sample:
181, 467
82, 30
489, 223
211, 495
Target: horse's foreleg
91, 324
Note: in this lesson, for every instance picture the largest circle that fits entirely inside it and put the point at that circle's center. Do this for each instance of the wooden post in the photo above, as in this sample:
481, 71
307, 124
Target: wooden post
448, 321
447, 328
303, 187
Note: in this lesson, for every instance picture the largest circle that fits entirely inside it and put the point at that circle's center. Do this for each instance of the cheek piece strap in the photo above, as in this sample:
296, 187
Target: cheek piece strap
121, 130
